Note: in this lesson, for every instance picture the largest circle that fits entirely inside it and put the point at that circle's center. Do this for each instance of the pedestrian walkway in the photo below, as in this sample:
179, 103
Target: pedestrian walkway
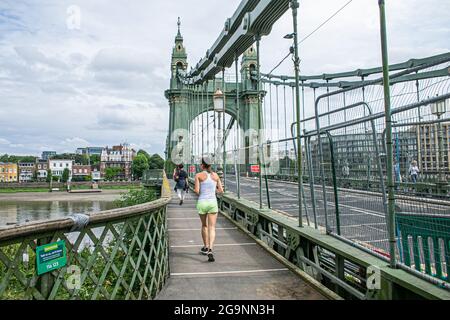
242, 270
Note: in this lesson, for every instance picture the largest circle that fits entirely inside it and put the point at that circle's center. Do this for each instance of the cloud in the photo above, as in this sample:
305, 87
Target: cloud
122, 117
127, 60
33, 56
105, 83
75, 141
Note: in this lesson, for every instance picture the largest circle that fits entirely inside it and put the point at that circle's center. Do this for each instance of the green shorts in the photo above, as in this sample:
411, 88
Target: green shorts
207, 206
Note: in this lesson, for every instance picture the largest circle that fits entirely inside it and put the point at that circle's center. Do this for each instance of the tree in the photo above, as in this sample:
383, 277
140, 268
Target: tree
35, 175
139, 165
112, 172
95, 160
68, 156
16, 159
156, 162
81, 159
143, 152
65, 175
49, 175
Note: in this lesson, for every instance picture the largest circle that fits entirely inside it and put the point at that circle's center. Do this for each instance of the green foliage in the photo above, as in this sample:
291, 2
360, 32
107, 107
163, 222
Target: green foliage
154, 162
65, 175
134, 197
139, 165
64, 156
35, 175
81, 159
144, 153
112, 172
49, 175
16, 159
95, 160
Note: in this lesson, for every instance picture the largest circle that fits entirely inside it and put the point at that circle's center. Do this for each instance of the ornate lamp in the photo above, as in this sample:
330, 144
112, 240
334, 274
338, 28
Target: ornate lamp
219, 101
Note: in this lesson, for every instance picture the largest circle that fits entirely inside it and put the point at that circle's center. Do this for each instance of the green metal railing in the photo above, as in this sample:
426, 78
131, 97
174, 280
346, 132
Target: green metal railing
119, 254
427, 238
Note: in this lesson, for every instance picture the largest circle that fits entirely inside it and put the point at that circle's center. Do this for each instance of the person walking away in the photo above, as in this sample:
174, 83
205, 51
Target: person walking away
414, 171
346, 174
207, 183
180, 176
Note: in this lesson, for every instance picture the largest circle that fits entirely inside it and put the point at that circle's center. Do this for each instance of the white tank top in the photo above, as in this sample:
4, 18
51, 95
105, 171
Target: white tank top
208, 188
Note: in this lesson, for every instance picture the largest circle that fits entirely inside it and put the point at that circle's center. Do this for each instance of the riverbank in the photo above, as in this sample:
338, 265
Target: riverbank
105, 195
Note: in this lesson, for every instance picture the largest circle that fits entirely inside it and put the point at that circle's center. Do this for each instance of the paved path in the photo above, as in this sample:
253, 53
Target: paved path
242, 270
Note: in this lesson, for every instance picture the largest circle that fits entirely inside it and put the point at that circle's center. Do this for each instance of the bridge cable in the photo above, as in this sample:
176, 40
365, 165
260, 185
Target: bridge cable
279, 64
325, 22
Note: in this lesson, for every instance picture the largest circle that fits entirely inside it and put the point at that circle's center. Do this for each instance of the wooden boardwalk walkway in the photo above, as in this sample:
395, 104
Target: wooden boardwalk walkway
243, 270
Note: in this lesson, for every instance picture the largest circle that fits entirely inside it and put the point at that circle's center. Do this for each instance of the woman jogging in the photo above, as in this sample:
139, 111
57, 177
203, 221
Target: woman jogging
180, 176
206, 184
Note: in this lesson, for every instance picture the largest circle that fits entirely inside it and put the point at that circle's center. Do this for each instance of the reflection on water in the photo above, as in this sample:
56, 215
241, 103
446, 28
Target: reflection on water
12, 212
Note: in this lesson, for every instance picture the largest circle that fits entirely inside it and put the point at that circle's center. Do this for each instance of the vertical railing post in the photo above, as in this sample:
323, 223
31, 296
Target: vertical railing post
335, 190
311, 177
203, 121
224, 156
207, 119
214, 127
258, 57
238, 111
294, 7
389, 151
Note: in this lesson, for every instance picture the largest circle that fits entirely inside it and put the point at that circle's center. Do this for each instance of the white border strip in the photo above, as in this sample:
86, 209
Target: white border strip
196, 218
217, 245
196, 229
227, 272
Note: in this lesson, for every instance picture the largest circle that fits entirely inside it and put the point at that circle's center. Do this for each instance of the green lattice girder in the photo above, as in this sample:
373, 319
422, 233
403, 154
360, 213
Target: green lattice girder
421, 227
127, 257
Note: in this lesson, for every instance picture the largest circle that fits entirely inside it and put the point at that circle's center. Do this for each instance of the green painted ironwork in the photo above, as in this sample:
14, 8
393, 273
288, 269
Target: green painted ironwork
120, 254
432, 234
331, 261
335, 190
389, 150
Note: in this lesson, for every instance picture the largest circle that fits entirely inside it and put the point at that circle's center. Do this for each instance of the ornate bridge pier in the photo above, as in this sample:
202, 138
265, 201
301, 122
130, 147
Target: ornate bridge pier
194, 101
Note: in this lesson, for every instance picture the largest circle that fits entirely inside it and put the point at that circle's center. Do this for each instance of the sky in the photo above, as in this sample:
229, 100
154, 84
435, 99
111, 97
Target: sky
99, 80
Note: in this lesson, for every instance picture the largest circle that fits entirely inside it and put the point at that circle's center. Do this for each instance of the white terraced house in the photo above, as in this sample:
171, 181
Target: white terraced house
57, 167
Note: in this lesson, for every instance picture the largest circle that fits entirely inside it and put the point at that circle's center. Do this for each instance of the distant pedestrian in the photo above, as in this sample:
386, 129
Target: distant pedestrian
180, 177
414, 171
346, 174
206, 185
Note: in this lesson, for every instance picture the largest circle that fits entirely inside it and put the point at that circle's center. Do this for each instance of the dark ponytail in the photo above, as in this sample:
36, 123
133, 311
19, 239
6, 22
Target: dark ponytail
206, 165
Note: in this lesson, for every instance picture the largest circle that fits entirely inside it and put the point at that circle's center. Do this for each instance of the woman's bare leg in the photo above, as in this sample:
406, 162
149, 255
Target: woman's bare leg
203, 218
212, 218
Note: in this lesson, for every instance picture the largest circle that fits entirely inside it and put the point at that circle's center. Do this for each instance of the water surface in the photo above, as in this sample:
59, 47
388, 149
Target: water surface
13, 211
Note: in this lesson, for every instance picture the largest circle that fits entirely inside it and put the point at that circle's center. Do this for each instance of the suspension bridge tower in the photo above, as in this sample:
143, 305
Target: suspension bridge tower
188, 101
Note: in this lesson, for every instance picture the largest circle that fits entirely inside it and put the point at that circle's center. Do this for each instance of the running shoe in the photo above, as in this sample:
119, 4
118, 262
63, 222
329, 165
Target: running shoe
204, 251
211, 256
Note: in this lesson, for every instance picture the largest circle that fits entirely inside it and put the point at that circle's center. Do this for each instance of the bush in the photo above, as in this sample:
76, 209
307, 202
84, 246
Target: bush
134, 197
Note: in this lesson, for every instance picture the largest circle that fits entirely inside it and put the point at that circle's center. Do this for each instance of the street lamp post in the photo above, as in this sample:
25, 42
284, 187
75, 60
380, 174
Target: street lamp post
294, 7
219, 107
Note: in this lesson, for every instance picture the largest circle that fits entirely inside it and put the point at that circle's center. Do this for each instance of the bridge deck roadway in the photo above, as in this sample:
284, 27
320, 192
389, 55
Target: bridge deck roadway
242, 270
